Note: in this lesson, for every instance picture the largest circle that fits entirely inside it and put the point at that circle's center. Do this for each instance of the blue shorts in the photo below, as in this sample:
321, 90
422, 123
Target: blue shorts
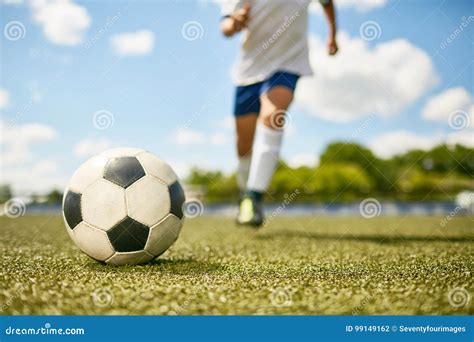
247, 98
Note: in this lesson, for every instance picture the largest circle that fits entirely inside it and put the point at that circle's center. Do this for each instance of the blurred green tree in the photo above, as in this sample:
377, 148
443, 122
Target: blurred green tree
54, 197
5, 193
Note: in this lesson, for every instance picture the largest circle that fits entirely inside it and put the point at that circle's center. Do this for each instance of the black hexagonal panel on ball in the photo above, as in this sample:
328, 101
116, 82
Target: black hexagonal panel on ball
72, 209
128, 235
177, 199
124, 171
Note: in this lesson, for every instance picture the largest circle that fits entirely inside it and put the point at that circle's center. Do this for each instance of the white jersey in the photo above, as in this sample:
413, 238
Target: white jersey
275, 39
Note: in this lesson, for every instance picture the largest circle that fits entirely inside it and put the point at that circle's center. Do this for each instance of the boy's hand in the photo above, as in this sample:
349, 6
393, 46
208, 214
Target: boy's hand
240, 17
237, 21
332, 46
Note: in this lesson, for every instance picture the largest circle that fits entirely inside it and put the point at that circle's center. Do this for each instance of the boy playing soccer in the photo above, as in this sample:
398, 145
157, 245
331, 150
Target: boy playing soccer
274, 54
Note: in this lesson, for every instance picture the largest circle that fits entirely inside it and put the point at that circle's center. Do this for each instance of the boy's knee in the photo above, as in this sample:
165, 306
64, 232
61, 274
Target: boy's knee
275, 120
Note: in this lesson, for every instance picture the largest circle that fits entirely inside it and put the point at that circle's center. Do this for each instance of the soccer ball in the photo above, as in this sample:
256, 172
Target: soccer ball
124, 206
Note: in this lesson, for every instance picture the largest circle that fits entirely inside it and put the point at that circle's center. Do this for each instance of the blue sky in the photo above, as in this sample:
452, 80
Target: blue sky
410, 84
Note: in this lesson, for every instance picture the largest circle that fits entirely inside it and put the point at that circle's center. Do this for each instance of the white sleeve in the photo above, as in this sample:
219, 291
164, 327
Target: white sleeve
229, 6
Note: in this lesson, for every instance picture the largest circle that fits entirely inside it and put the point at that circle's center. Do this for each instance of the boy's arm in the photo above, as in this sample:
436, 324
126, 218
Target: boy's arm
235, 22
330, 13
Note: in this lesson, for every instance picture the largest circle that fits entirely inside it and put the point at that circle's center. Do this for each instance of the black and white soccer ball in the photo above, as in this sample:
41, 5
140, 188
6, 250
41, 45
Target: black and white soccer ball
124, 206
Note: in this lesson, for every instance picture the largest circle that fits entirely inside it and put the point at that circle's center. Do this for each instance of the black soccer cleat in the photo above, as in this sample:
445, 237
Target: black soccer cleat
250, 212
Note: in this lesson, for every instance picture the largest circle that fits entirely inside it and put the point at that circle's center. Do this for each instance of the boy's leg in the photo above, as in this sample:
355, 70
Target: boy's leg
246, 109
265, 152
268, 138
245, 128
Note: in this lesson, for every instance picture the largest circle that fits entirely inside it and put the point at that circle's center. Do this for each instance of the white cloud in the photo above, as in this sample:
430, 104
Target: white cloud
186, 136
219, 139
358, 5
182, 167
361, 5
133, 43
360, 80
20, 167
303, 159
18, 141
228, 123
90, 147
465, 137
392, 143
63, 21
40, 177
397, 142
45, 166
4, 99
441, 106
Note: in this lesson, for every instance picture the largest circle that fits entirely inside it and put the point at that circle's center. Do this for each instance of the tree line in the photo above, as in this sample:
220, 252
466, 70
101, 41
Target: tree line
349, 171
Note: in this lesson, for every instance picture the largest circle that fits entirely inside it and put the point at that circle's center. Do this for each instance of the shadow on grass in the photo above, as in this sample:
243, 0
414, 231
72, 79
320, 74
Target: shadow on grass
382, 239
163, 266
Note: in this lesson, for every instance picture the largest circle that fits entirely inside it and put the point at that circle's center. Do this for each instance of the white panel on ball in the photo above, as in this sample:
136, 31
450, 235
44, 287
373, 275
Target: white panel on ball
103, 204
87, 173
92, 241
163, 235
130, 258
148, 200
156, 167
122, 152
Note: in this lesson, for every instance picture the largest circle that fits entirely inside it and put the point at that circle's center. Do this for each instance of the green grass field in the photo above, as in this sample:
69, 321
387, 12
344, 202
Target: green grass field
318, 265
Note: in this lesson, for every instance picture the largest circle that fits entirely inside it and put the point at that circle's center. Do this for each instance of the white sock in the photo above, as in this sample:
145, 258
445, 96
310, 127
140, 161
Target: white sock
243, 171
266, 150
